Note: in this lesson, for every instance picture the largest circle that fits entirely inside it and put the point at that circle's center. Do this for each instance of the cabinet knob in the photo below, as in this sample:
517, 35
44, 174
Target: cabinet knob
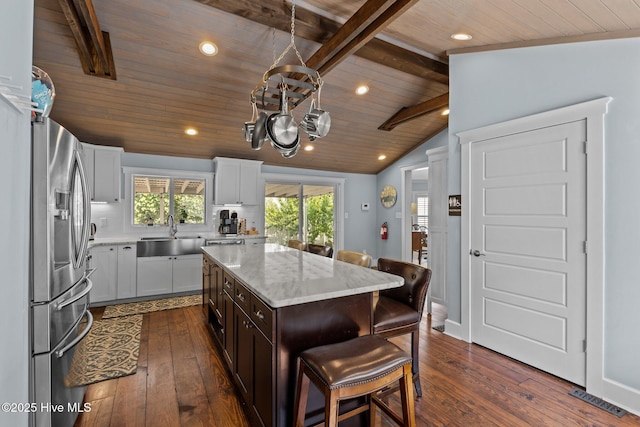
260, 314
241, 297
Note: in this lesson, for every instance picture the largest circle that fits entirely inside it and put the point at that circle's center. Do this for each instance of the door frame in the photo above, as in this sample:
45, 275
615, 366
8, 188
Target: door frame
406, 198
593, 112
338, 201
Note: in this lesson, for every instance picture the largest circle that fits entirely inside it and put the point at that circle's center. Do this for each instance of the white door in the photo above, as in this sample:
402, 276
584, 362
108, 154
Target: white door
528, 260
437, 233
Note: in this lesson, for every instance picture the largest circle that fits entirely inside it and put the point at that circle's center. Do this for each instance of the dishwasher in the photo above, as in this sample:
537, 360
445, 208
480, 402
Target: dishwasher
224, 242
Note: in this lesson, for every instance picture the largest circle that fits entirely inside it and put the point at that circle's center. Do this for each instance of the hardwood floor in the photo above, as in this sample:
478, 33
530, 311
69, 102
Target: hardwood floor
181, 382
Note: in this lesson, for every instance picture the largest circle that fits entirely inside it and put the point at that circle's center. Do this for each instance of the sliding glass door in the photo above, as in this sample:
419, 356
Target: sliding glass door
300, 211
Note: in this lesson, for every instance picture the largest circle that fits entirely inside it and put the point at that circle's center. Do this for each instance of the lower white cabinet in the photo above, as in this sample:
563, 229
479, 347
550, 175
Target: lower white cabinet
115, 275
169, 274
126, 271
187, 273
105, 261
155, 275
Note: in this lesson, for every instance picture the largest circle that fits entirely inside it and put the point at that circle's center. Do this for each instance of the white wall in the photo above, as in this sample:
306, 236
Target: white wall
16, 28
491, 87
359, 228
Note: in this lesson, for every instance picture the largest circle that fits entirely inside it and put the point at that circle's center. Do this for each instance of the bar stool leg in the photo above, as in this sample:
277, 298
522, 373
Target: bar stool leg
372, 411
331, 409
415, 363
406, 397
302, 394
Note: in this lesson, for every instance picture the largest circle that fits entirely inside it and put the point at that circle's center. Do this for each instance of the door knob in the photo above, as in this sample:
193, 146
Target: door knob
476, 253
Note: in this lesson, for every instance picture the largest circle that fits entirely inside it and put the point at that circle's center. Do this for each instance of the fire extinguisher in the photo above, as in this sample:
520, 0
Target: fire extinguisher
384, 231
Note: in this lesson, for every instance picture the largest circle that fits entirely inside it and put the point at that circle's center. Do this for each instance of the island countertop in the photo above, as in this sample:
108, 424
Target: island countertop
282, 276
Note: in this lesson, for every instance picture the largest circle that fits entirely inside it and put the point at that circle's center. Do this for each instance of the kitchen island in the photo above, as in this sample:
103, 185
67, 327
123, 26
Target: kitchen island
267, 303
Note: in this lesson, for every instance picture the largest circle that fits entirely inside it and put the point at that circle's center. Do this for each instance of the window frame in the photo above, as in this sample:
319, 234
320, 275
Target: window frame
338, 194
131, 172
416, 195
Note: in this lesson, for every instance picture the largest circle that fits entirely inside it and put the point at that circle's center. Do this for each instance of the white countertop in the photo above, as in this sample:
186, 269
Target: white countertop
282, 276
121, 240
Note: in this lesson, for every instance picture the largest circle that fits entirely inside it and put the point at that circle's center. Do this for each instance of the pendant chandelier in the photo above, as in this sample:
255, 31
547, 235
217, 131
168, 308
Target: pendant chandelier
283, 88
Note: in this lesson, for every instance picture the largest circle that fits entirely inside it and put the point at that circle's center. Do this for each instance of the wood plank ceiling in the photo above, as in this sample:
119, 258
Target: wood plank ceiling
164, 85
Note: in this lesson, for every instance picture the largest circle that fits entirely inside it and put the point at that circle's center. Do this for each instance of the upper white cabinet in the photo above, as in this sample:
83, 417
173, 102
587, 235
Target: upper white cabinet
236, 181
103, 172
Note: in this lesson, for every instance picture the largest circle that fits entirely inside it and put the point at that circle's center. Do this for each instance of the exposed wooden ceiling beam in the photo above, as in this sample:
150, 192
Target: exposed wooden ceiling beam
410, 113
310, 26
94, 45
370, 19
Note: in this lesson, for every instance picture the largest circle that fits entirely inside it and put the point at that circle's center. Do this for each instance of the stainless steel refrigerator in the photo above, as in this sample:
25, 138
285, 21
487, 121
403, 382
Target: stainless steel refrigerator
59, 282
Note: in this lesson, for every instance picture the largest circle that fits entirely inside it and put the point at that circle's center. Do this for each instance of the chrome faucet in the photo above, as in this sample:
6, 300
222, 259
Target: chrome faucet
173, 228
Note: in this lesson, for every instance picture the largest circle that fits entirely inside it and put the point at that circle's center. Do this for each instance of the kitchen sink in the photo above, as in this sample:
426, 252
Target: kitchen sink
169, 246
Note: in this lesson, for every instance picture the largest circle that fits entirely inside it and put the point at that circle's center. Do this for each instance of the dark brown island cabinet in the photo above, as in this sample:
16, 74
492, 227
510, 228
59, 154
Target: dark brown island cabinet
260, 343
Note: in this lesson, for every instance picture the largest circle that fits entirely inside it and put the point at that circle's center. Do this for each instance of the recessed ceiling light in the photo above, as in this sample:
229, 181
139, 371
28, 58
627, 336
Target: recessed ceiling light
208, 48
445, 112
308, 147
461, 36
362, 89
191, 131
382, 157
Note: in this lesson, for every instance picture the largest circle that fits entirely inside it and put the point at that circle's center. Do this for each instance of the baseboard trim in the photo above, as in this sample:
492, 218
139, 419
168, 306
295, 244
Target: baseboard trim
453, 329
621, 395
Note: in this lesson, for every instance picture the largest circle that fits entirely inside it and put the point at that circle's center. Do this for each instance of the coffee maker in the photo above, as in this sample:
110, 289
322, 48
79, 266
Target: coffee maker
228, 223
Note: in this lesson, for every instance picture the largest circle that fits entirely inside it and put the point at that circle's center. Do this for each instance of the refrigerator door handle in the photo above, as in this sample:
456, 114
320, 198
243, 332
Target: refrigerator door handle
62, 304
87, 329
87, 208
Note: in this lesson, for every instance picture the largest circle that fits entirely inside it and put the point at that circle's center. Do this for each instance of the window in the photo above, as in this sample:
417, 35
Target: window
157, 193
304, 207
422, 217
155, 198
299, 211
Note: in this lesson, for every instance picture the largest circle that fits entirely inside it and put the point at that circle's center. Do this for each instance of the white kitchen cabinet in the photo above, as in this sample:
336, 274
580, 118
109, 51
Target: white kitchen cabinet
155, 275
187, 273
103, 166
236, 181
127, 270
105, 261
169, 274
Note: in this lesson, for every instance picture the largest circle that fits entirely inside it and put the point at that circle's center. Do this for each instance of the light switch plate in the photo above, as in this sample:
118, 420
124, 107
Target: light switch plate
399, 214
364, 206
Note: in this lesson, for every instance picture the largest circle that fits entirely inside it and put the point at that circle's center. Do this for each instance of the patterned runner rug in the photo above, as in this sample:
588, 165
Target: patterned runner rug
110, 350
149, 306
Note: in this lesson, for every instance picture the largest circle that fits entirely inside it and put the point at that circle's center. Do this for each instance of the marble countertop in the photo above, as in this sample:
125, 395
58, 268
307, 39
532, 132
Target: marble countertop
121, 240
282, 276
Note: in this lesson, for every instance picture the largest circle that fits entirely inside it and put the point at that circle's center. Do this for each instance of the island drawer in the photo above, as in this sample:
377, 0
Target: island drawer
227, 284
242, 297
262, 316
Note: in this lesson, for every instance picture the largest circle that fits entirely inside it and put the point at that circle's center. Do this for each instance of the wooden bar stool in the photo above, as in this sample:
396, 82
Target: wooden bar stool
358, 367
